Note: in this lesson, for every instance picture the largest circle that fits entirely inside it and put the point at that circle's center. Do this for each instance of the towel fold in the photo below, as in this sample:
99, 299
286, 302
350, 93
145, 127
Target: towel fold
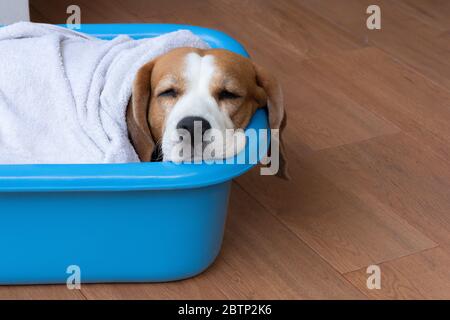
63, 94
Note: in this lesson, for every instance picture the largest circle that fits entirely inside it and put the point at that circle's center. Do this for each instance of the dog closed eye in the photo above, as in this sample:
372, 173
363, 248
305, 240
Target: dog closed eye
171, 93
227, 95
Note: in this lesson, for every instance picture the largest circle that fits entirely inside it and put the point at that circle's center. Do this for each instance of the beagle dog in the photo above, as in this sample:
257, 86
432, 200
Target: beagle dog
216, 88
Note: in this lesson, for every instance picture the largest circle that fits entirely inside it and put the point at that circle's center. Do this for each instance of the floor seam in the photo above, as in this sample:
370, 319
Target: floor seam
394, 259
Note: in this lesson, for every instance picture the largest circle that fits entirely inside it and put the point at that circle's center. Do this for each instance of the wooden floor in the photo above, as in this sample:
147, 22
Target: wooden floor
368, 141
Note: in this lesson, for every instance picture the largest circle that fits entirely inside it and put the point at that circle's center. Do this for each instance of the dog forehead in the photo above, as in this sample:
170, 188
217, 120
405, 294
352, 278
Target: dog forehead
171, 63
185, 63
233, 65
199, 70
230, 60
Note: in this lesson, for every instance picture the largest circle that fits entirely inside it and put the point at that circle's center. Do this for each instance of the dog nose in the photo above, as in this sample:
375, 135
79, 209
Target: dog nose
189, 124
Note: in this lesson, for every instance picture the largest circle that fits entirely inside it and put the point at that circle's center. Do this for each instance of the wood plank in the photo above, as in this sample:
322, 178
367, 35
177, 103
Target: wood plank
47, 292
402, 34
100, 11
321, 116
424, 275
400, 173
289, 28
347, 230
146, 10
436, 13
198, 288
374, 82
260, 259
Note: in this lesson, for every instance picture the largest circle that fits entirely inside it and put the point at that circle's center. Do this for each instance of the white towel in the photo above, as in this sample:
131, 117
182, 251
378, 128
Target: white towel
63, 94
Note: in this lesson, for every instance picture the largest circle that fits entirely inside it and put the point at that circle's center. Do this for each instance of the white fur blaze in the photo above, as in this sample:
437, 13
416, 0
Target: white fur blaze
198, 101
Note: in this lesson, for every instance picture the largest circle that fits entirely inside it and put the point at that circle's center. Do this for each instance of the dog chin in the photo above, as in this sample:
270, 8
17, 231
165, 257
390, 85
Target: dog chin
211, 152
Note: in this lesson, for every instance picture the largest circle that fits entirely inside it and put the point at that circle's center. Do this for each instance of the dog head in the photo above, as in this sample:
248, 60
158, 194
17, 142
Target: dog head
189, 89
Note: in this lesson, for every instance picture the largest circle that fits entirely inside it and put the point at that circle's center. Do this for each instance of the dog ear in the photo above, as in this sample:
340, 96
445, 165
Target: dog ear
137, 113
277, 114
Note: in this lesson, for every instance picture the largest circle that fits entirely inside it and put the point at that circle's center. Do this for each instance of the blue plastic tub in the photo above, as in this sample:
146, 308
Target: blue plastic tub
136, 222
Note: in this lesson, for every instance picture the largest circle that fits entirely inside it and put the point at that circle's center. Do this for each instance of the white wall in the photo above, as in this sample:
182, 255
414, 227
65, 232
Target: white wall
14, 11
